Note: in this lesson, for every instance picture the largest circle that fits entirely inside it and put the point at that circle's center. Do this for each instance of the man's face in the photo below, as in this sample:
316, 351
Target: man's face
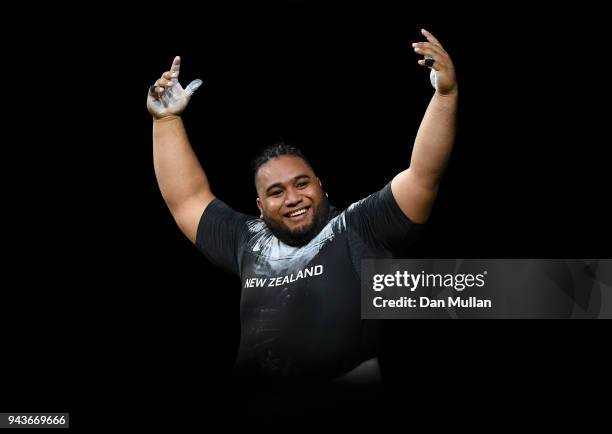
291, 200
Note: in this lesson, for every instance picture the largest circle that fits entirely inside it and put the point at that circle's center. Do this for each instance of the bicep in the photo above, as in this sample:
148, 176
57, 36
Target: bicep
414, 197
187, 216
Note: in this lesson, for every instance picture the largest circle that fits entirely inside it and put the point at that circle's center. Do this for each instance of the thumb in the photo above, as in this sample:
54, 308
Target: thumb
433, 77
193, 86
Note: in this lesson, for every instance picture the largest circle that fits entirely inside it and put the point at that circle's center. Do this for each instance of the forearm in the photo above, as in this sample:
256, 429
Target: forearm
177, 169
434, 141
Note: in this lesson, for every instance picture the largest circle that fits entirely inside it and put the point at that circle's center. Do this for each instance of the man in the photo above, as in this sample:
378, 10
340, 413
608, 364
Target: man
299, 262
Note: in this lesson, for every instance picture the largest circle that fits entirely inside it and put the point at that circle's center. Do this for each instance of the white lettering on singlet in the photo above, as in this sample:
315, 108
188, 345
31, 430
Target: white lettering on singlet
255, 282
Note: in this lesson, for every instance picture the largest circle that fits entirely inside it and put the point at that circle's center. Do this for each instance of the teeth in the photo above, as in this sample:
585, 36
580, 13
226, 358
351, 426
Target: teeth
297, 213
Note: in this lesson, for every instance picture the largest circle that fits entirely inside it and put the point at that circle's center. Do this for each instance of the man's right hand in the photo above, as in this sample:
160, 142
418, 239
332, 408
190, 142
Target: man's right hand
167, 97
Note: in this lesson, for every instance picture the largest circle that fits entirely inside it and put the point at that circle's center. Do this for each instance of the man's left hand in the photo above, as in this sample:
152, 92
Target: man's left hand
442, 71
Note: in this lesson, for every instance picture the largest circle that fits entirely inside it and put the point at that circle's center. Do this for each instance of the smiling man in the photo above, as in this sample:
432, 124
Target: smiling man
290, 195
299, 261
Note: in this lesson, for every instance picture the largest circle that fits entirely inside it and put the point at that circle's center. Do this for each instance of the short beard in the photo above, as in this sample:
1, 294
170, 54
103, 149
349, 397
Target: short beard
302, 236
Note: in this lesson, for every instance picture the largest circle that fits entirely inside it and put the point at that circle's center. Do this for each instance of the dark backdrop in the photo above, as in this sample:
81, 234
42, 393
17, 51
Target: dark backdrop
142, 316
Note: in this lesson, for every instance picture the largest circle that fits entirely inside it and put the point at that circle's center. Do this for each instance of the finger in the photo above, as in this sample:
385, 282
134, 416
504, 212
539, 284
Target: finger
155, 90
162, 82
169, 75
430, 45
176, 66
431, 38
427, 49
431, 56
193, 86
436, 66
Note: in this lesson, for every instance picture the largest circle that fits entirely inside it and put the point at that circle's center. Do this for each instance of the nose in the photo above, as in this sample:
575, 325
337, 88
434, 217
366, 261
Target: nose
292, 198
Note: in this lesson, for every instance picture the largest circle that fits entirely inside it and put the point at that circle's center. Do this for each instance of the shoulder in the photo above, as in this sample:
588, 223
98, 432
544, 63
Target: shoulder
373, 204
221, 220
219, 210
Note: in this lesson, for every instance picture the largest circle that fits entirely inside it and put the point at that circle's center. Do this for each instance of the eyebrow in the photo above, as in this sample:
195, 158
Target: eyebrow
279, 184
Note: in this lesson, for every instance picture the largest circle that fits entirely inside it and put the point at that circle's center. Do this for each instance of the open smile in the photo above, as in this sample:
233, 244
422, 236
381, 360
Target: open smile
298, 215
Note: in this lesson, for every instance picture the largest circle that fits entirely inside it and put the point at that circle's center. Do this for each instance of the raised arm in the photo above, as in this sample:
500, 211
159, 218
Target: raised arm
416, 188
180, 176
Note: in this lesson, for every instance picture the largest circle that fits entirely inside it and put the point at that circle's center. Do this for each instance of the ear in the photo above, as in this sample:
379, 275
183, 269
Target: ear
322, 187
260, 206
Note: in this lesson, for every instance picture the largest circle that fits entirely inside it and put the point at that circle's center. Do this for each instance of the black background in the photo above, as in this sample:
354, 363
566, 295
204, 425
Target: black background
109, 306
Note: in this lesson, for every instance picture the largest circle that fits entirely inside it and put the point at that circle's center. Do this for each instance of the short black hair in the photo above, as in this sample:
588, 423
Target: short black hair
274, 151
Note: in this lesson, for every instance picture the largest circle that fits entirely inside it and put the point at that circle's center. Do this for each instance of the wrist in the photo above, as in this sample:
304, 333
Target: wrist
454, 93
167, 118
